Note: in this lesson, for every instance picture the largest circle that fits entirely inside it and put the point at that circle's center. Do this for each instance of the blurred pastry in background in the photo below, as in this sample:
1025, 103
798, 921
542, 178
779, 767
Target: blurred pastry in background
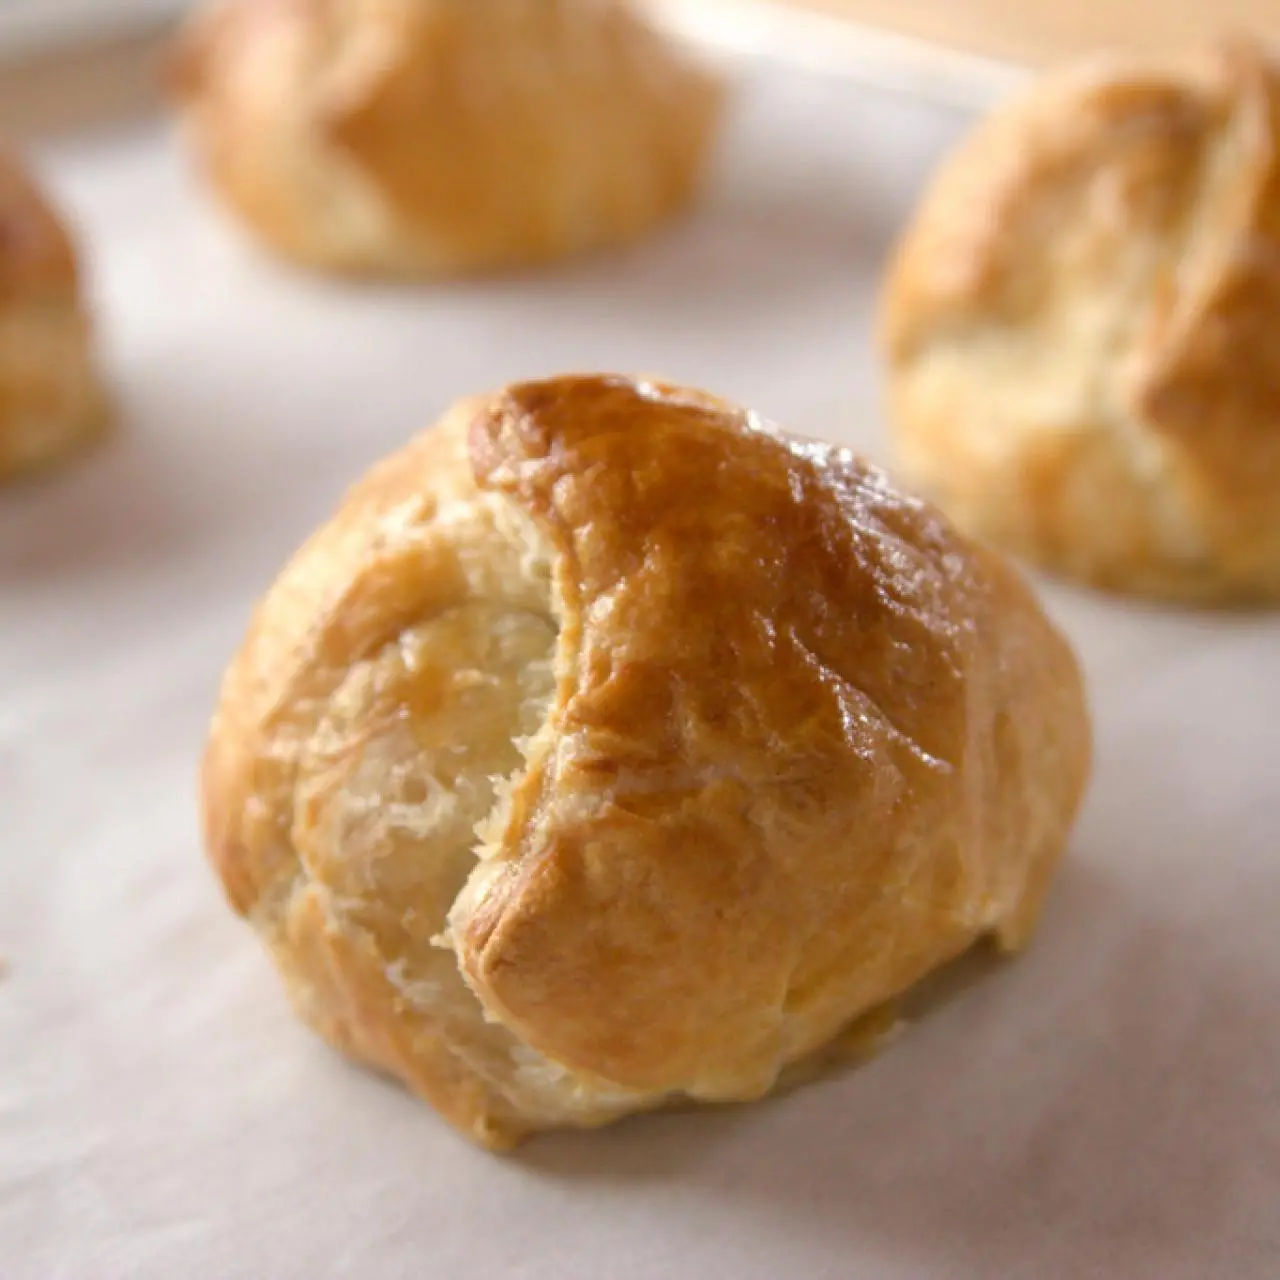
1082, 327
610, 747
51, 400
439, 137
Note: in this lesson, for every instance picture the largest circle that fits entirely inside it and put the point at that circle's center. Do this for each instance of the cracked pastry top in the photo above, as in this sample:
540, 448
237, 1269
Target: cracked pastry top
610, 747
441, 137
1082, 327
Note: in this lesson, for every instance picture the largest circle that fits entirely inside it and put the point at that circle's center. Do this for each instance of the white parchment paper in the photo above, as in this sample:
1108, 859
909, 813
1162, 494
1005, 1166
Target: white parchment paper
1107, 1107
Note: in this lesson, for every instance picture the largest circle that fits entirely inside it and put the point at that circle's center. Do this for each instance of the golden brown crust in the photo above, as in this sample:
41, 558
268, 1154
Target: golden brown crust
788, 746
1081, 327
425, 137
774, 653
50, 400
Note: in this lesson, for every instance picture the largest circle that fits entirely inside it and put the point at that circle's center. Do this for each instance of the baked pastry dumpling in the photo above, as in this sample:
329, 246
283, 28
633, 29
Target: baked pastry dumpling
51, 401
432, 137
1082, 327
611, 747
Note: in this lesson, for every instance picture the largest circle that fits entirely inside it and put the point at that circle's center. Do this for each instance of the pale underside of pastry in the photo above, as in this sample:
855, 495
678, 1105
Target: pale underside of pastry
609, 748
51, 400
437, 137
1082, 327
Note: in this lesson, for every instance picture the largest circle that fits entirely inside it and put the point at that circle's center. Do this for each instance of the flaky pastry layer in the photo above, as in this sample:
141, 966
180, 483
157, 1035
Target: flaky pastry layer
439, 137
611, 747
1082, 323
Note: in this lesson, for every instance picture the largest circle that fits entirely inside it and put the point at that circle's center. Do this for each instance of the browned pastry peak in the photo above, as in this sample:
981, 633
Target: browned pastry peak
1081, 326
773, 743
